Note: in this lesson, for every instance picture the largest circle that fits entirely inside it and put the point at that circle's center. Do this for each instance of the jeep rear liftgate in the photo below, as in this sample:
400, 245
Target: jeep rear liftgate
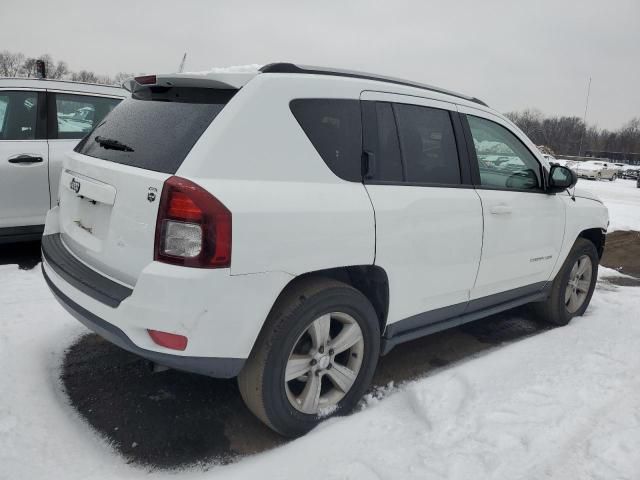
111, 187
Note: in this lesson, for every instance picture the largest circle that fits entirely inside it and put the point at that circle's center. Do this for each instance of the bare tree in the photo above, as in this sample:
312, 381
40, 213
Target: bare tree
54, 70
29, 68
562, 134
61, 70
121, 77
105, 80
49, 65
84, 76
10, 63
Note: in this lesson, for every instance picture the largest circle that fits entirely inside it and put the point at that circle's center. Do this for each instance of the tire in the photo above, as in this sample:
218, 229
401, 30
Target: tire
598, 176
613, 178
287, 331
556, 310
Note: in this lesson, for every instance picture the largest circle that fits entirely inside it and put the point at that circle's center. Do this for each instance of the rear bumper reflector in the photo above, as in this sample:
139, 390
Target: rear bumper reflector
168, 340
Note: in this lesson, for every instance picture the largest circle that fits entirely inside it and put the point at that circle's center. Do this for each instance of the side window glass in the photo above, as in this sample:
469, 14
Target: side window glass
4, 102
334, 127
503, 159
18, 115
76, 115
388, 163
428, 145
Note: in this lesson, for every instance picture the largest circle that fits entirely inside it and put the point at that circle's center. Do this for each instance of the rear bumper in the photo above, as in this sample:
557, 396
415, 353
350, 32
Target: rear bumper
211, 366
76, 273
220, 314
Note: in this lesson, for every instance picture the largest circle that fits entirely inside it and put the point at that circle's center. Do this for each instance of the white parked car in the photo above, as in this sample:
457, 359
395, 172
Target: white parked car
40, 122
596, 170
289, 226
619, 167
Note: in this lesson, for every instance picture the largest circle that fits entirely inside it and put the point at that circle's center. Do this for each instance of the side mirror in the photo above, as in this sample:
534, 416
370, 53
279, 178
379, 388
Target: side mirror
561, 178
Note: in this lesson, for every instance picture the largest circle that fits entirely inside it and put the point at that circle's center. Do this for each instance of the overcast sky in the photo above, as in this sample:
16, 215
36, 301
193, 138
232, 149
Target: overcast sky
512, 54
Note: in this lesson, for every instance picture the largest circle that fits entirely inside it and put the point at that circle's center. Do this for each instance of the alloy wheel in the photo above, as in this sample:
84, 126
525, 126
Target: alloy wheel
324, 363
579, 283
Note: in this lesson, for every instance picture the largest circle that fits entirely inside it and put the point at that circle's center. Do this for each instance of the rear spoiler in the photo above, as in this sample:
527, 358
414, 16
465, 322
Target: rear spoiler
233, 81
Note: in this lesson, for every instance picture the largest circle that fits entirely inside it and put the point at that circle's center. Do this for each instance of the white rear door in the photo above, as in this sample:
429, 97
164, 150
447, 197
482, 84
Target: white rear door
24, 184
523, 225
428, 216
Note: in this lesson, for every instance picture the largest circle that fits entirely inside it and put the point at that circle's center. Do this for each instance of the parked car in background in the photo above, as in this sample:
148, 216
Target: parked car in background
40, 122
619, 167
596, 170
288, 226
631, 172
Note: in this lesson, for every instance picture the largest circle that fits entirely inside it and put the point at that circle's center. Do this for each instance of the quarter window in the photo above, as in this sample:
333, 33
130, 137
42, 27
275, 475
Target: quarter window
503, 160
76, 115
18, 115
334, 128
428, 145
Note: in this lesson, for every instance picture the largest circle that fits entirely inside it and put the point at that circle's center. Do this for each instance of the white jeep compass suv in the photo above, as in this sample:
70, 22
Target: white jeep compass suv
289, 226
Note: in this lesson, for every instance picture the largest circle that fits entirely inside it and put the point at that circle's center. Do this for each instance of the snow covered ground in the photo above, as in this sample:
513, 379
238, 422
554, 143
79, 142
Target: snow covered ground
622, 198
563, 404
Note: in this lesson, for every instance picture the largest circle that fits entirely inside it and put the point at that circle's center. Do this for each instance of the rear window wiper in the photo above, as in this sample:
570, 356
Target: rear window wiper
111, 144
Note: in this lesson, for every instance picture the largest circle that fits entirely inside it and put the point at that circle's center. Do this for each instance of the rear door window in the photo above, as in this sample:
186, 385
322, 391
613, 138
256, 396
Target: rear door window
334, 127
428, 145
156, 128
76, 115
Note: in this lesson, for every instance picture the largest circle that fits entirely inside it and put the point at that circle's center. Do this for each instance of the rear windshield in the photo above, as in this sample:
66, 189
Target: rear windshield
156, 128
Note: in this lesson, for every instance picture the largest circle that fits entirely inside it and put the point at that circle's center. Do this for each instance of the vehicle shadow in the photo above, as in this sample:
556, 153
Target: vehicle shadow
26, 255
174, 419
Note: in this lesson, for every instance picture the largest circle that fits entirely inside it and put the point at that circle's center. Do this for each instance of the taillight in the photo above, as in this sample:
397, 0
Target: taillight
193, 227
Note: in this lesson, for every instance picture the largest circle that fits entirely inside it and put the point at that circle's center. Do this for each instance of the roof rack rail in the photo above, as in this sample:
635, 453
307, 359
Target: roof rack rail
307, 69
60, 80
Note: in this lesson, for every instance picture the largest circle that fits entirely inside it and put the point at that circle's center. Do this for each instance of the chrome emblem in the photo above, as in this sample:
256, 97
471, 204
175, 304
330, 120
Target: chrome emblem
74, 185
151, 196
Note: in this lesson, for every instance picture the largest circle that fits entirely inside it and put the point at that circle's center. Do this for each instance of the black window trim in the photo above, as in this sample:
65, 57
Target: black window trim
41, 122
461, 147
52, 121
394, 109
475, 165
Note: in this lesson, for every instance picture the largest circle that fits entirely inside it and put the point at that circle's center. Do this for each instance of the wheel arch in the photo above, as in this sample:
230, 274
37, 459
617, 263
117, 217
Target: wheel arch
371, 280
597, 236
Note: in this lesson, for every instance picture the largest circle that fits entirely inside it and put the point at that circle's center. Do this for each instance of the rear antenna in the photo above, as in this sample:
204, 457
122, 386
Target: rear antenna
184, 59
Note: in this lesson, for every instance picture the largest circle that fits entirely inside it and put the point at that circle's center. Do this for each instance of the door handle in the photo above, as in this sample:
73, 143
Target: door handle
501, 210
25, 159
368, 164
